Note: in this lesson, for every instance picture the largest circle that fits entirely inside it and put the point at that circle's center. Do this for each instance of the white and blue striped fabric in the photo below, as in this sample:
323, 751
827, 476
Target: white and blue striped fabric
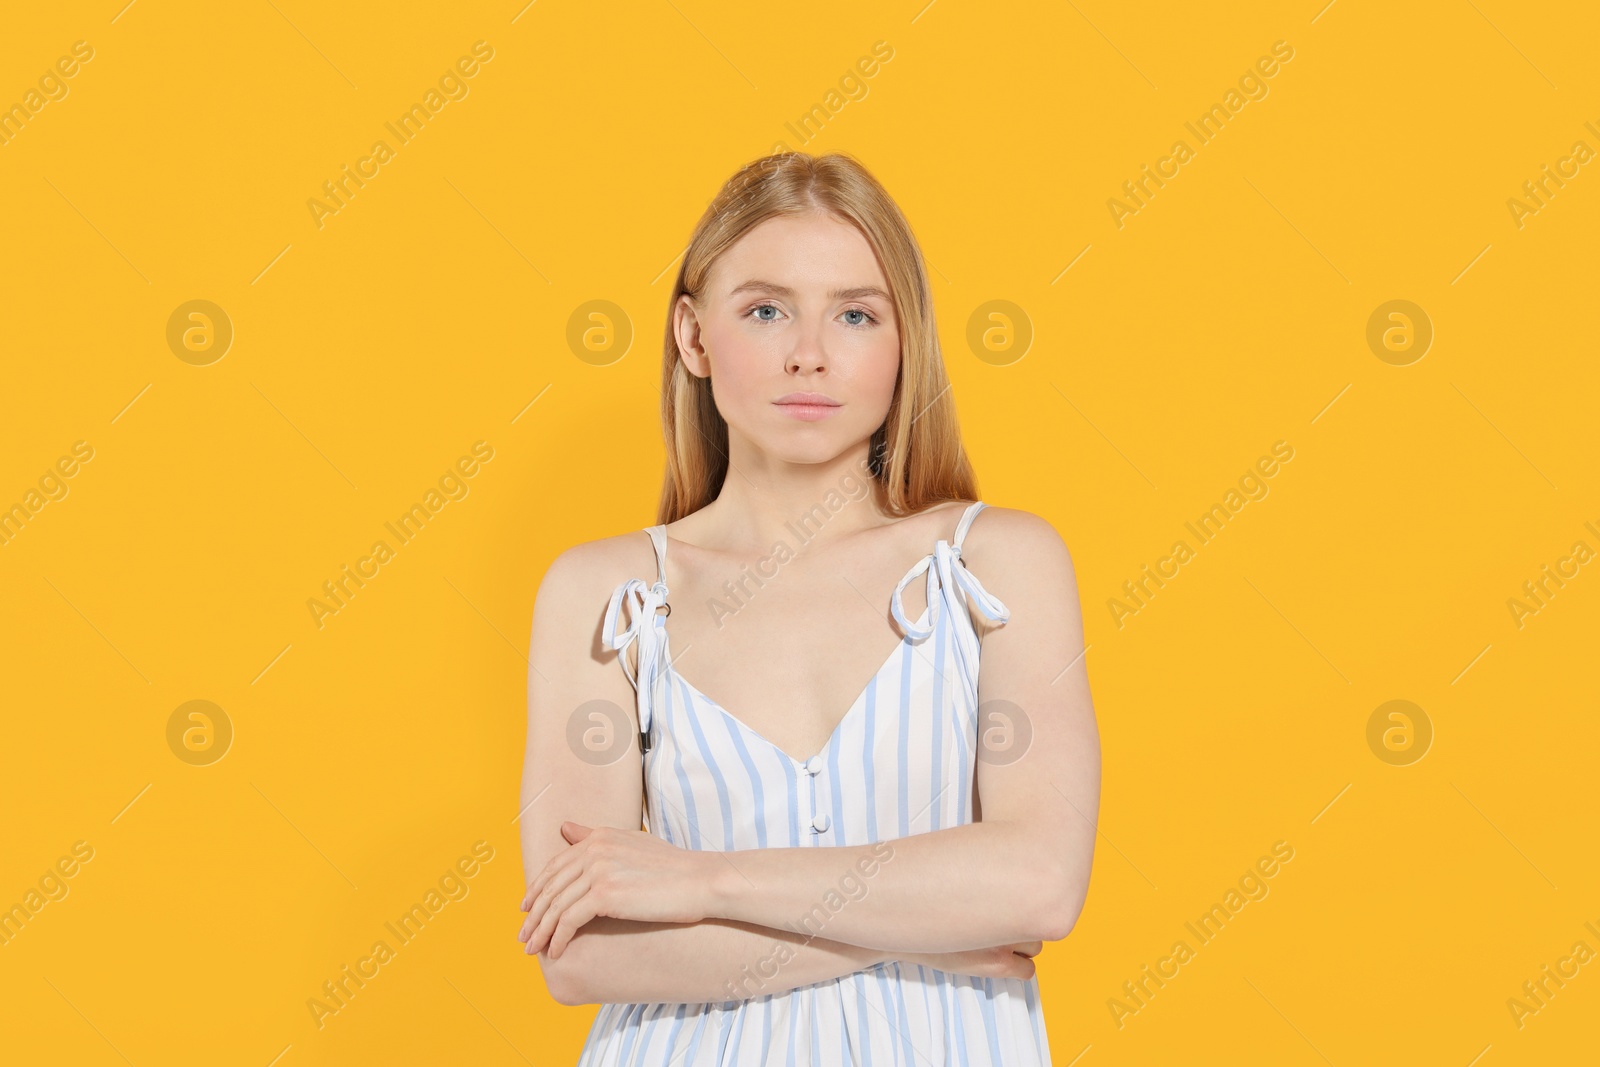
900, 762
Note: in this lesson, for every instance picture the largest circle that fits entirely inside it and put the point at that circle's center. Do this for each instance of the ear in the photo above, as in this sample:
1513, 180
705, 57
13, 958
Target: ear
690, 340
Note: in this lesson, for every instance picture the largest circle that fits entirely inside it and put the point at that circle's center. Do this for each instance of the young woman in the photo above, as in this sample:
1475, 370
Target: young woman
849, 859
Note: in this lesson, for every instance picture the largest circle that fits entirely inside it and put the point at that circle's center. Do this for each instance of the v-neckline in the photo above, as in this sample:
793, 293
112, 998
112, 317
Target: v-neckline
860, 700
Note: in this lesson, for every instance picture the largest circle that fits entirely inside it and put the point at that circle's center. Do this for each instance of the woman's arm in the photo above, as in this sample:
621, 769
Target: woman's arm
1021, 873
619, 961
615, 960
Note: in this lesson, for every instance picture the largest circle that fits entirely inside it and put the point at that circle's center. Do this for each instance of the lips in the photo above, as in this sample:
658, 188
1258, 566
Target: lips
809, 407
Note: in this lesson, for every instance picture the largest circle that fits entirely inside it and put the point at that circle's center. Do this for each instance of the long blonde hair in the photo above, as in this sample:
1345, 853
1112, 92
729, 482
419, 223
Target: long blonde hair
916, 455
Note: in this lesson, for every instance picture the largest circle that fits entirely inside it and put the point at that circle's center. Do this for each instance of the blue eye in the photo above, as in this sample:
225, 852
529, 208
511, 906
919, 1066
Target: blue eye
867, 318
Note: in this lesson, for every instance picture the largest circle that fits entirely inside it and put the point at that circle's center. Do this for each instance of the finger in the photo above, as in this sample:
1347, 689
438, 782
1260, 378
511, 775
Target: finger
543, 937
541, 878
572, 920
555, 864
540, 908
552, 865
540, 941
541, 903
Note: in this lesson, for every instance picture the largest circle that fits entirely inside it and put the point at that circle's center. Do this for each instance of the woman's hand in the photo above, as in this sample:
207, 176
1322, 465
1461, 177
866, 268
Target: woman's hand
1002, 961
626, 874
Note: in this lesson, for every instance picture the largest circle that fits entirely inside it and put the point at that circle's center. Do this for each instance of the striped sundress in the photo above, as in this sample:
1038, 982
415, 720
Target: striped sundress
900, 762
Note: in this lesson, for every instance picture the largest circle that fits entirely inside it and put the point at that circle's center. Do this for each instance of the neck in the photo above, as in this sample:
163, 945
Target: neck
765, 501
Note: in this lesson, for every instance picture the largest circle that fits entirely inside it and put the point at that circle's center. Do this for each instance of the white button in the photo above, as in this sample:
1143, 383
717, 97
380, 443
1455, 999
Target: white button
814, 765
820, 823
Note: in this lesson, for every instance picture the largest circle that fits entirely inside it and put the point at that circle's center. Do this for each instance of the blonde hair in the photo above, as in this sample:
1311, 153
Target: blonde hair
916, 455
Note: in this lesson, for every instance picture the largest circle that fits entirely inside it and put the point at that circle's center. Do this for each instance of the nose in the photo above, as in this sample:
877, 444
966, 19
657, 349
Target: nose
807, 355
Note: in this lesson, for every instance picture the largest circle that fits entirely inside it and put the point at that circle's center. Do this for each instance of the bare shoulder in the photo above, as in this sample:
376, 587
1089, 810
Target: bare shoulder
581, 579
569, 661
998, 531
1020, 551
600, 565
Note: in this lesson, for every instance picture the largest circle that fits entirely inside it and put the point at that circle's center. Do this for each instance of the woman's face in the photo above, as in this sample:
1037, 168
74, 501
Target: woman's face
798, 305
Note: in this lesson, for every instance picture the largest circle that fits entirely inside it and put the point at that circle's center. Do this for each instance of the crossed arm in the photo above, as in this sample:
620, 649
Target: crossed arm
619, 916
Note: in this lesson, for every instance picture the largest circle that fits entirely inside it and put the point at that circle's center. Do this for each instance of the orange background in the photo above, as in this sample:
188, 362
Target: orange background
1165, 356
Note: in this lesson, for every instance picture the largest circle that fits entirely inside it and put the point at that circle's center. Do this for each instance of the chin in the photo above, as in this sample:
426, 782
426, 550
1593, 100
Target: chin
819, 453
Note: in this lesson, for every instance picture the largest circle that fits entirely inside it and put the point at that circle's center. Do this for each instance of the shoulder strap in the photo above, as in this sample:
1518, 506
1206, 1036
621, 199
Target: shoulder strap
966, 521
945, 567
644, 627
658, 538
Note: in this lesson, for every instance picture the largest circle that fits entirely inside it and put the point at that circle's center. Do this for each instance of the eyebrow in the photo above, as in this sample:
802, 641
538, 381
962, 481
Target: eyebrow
758, 286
